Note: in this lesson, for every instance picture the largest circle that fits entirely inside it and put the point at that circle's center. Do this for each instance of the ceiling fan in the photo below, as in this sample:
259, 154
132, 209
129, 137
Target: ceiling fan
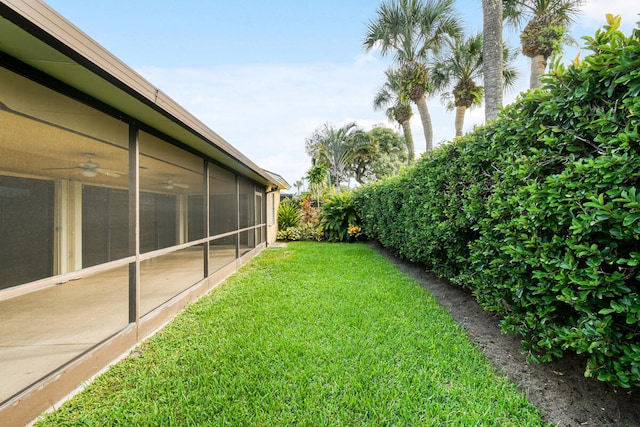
89, 168
170, 184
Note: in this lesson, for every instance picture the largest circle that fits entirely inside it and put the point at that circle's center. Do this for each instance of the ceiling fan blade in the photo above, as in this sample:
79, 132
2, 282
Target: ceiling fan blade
109, 172
59, 169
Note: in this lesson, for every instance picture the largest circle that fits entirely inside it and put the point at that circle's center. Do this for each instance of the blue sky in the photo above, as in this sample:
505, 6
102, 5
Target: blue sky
264, 74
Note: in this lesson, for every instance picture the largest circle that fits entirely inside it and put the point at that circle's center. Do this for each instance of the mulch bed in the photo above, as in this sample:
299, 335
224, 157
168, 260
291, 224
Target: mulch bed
560, 389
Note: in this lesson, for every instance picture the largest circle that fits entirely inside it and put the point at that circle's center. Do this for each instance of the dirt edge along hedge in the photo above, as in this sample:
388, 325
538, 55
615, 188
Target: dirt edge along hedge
539, 212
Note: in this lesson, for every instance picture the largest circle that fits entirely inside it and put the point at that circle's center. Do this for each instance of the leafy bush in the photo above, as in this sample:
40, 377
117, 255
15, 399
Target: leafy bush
306, 227
561, 235
288, 214
291, 233
539, 212
338, 215
428, 214
306, 231
310, 213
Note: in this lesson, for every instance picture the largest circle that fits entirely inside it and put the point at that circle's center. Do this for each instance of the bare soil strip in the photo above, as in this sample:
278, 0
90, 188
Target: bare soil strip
560, 389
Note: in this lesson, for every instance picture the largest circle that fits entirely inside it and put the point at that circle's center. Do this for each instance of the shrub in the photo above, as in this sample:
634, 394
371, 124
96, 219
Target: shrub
310, 214
299, 221
338, 215
429, 213
302, 232
288, 214
561, 234
291, 233
539, 212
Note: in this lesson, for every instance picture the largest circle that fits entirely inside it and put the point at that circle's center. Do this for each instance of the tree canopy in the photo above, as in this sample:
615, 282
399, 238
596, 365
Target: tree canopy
389, 96
459, 71
412, 30
350, 152
545, 31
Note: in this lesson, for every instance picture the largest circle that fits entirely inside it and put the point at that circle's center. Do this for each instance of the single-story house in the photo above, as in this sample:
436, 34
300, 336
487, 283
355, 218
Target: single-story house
117, 208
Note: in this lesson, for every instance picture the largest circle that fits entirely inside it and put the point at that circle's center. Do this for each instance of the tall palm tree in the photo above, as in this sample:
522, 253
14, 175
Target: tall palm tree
492, 57
335, 148
298, 184
388, 97
545, 31
461, 66
412, 30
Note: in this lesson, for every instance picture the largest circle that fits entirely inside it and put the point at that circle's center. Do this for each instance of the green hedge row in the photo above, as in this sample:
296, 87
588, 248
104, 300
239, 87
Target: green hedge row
539, 212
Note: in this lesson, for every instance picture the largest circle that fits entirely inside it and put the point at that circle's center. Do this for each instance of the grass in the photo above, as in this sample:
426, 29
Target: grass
314, 334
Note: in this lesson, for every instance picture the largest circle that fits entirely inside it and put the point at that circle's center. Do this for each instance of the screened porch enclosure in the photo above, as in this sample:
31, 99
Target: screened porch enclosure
104, 223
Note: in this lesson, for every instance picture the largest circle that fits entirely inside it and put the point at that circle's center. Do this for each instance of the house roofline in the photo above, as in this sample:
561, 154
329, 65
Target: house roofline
46, 41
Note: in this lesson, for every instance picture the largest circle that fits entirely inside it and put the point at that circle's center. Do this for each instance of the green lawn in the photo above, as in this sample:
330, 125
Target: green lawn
314, 334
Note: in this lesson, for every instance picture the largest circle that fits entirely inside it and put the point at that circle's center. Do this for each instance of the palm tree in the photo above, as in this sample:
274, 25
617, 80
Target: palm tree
492, 57
413, 30
335, 148
388, 96
546, 29
461, 65
317, 176
298, 184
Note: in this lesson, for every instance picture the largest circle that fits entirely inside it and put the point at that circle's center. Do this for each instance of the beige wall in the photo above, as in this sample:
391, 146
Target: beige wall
273, 202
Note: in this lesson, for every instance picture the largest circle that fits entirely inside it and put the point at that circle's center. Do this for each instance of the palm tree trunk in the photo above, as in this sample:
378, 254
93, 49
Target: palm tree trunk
408, 137
492, 61
421, 103
460, 110
538, 66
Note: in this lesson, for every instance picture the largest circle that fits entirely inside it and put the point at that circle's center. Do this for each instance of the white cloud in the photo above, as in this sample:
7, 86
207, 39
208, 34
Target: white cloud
364, 58
267, 111
594, 11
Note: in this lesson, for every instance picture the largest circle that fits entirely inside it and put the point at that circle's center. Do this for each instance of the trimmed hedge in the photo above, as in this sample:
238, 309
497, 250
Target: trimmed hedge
539, 212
